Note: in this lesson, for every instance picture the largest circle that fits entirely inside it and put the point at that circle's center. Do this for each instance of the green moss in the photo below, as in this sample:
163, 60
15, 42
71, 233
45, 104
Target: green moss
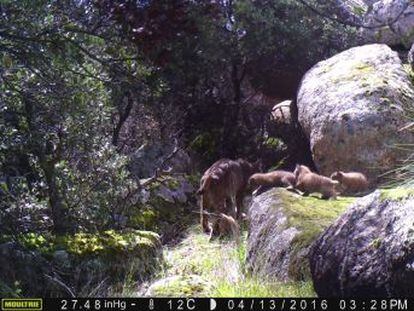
145, 218
362, 67
272, 143
85, 244
359, 10
365, 73
109, 242
376, 243
172, 183
396, 194
311, 216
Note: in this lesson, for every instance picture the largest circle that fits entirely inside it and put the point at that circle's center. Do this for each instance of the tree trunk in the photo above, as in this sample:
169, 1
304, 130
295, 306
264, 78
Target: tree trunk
58, 208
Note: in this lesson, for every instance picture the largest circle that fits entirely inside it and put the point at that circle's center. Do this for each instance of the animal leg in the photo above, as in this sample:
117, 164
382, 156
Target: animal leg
239, 205
205, 225
231, 206
329, 195
286, 183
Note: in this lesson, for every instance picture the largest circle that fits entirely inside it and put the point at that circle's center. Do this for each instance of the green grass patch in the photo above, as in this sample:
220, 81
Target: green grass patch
198, 267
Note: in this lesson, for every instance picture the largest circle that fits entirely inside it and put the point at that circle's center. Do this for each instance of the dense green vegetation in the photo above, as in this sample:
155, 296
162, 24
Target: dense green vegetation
84, 85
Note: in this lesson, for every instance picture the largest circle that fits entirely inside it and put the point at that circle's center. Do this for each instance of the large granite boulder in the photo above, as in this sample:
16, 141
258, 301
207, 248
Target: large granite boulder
352, 106
369, 250
282, 225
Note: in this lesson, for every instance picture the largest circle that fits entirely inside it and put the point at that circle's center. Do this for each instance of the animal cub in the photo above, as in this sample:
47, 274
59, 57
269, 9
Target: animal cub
225, 225
272, 179
351, 182
308, 182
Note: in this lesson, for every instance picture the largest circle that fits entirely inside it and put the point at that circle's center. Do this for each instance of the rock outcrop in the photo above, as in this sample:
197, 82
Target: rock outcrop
369, 250
380, 21
168, 204
162, 155
282, 225
390, 22
78, 264
352, 107
411, 57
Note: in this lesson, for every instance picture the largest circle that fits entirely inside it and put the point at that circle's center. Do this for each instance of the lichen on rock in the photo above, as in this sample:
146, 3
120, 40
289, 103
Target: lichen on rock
352, 106
282, 226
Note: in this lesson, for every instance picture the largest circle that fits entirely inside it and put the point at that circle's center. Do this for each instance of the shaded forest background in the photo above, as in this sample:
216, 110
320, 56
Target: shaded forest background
84, 84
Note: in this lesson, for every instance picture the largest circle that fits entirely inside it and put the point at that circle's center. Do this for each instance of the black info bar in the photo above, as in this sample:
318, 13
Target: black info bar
192, 304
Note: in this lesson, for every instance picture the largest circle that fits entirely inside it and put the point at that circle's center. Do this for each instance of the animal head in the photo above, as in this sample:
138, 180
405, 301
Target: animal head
337, 175
250, 168
300, 169
252, 181
206, 182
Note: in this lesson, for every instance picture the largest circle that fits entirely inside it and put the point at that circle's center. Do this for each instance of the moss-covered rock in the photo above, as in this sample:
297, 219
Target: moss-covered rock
78, 263
396, 194
282, 226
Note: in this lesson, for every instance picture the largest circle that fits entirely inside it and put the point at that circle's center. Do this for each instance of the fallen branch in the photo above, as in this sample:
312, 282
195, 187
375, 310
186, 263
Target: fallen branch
59, 282
406, 127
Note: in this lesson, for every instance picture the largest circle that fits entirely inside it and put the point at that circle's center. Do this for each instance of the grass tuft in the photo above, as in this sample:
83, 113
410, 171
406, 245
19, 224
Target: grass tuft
197, 267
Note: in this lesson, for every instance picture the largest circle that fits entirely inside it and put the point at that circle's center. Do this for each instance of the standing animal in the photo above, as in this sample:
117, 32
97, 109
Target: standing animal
222, 188
272, 179
351, 182
308, 182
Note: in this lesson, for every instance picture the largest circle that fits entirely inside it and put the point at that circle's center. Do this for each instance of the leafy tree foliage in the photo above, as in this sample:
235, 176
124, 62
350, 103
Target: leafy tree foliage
56, 115
85, 83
